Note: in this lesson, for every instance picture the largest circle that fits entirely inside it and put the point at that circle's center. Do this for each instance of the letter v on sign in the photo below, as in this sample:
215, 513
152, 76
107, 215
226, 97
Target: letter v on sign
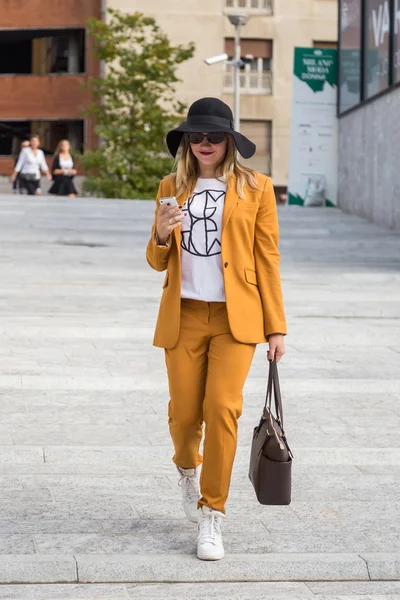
381, 23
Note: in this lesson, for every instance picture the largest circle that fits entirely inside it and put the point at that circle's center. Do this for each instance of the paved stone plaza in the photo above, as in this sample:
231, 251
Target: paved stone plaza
88, 493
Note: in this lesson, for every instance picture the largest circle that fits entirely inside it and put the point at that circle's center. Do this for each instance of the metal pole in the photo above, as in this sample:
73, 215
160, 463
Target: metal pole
236, 109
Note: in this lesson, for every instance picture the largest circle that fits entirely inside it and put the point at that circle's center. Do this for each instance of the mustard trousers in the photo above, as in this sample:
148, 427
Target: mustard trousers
207, 370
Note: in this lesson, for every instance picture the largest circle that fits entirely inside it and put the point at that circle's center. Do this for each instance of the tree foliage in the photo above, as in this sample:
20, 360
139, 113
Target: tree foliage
133, 105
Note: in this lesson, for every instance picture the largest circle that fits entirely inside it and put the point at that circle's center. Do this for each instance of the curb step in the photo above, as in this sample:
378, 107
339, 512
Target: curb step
153, 568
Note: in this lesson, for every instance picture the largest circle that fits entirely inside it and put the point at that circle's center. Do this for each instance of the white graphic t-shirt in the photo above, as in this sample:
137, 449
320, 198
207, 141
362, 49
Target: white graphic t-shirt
201, 260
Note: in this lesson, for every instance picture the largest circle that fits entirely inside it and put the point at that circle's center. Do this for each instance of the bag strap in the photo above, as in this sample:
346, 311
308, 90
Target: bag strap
273, 384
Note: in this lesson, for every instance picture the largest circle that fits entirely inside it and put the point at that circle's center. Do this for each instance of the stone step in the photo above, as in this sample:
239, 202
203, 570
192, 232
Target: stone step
151, 568
351, 590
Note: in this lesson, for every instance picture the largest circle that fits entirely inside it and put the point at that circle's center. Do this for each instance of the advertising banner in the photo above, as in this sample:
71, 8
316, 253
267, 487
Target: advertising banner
314, 128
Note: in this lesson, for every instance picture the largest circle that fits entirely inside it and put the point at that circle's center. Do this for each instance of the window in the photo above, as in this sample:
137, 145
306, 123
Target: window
396, 41
256, 74
262, 5
12, 133
260, 132
50, 132
350, 54
329, 45
377, 47
369, 53
40, 52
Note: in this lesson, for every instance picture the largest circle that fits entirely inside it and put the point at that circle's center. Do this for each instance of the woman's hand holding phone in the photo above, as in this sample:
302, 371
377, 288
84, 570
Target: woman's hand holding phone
169, 217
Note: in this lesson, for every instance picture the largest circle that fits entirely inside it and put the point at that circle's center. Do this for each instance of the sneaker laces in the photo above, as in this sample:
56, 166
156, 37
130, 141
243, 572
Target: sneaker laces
210, 527
190, 483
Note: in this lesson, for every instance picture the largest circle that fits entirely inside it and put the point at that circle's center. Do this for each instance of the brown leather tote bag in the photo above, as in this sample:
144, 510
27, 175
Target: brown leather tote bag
271, 458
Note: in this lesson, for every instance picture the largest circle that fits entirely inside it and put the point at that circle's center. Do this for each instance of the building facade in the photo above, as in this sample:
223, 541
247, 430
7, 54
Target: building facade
45, 62
368, 109
274, 28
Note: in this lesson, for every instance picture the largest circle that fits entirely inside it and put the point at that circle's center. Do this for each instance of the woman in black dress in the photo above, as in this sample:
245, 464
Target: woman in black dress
63, 171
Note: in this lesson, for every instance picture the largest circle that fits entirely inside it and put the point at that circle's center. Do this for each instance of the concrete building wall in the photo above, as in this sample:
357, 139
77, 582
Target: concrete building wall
185, 21
293, 23
369, 150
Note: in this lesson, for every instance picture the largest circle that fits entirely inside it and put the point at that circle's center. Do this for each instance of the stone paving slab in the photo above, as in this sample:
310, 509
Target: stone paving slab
20, 568
182, 541
275, 567
247, 591
131, 455
85, 454
383, 565
205, 591
350, 588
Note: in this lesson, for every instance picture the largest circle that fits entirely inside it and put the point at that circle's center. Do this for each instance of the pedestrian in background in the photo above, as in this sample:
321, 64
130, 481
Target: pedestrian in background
63, 171
17, 187
222, 296
31, 163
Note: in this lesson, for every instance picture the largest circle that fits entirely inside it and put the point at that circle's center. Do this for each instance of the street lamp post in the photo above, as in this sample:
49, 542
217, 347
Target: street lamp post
238, 21
237, 63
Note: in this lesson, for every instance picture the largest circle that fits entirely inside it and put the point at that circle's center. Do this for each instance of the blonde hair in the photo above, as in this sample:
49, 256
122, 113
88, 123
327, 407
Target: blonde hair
187, 170
60, 143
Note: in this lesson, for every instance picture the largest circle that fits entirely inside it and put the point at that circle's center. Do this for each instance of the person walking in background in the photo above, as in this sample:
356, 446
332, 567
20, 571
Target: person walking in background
222, 296
63, 170
30, 163
17, 187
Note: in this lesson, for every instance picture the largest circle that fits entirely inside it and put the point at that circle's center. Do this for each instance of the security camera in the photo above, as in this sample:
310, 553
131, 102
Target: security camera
238, 19
216, 59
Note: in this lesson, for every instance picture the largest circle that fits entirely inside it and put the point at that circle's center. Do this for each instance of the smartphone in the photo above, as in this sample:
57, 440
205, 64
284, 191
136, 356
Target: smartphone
169, 201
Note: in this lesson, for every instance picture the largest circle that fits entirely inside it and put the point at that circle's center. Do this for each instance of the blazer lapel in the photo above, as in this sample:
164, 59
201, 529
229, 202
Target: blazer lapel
230, 200
177, 231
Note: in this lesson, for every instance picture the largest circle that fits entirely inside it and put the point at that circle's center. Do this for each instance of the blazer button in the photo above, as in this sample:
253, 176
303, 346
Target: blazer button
225, 265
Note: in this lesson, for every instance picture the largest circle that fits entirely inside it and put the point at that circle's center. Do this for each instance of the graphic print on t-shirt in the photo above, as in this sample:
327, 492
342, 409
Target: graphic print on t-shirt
201, 236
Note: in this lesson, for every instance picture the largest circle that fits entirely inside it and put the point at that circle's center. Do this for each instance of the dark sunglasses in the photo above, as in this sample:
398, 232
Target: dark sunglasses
213, 138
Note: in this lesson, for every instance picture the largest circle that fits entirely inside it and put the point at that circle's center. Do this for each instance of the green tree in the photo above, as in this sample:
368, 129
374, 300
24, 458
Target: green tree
134, 105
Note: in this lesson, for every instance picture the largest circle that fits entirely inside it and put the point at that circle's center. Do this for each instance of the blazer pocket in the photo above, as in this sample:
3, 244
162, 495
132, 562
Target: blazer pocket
251, 276
165, 281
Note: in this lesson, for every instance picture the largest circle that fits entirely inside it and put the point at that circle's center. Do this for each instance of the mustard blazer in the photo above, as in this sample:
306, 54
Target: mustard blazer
250, 259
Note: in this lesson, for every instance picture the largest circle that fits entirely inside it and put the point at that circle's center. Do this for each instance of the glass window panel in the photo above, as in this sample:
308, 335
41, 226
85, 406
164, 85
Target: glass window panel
350, 54
51, 132
266, 64
377, 47
396, 45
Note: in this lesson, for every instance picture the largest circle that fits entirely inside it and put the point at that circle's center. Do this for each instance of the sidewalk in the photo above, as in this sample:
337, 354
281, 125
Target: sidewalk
6, 186
88, 492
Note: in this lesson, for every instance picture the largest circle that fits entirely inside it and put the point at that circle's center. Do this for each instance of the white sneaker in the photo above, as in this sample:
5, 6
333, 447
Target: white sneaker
209, 544
190, 484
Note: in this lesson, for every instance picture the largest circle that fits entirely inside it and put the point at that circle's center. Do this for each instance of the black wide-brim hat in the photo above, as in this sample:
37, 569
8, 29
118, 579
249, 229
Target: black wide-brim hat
209, 115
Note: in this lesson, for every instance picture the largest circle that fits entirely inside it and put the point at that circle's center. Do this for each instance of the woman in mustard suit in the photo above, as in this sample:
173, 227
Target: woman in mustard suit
222, 296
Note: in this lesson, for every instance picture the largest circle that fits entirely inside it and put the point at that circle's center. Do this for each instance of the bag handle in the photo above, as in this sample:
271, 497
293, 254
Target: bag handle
273, 384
